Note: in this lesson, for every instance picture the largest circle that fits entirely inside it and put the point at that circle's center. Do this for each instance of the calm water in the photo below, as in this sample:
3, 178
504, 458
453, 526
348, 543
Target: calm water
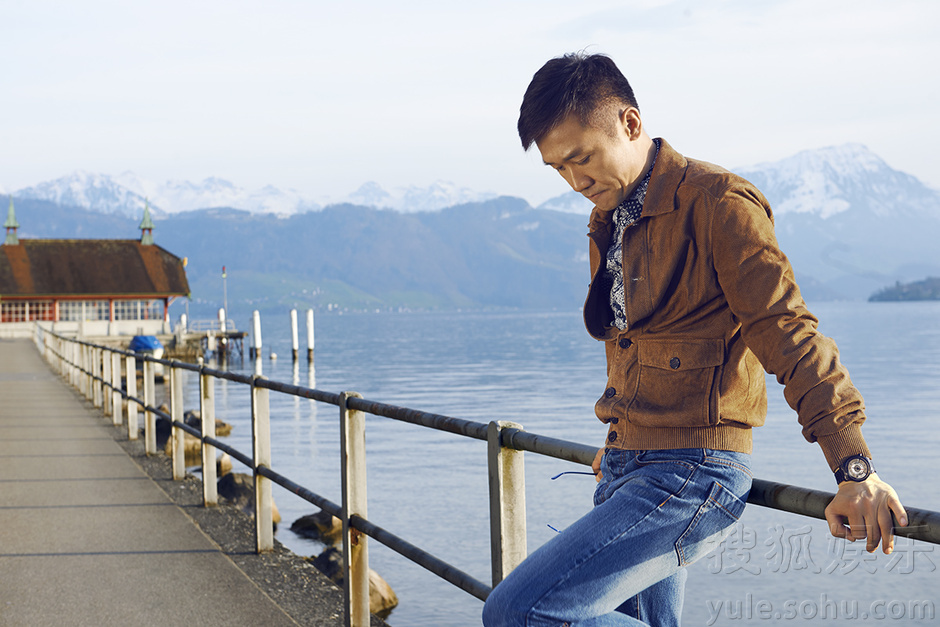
542, 370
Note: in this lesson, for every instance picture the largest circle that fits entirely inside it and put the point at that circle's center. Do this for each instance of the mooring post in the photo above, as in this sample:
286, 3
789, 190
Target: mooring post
261, 449
507, 502
210, 491
130, 365
150, 421
293, 334
177, 435
355, 503
117, 413
255, 352
310, 336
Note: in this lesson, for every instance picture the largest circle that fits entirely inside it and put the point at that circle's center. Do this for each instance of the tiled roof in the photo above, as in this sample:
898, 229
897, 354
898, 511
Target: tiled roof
79, 267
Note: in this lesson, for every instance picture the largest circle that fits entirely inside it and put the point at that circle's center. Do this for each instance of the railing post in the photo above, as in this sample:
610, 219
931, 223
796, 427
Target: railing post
210, 489
150, 420
177, 435
507, 502
261, 457
78, 377
355, 545
90, 377
70, 362
98, 369
86, 369
105, 383
117, 413
131, 382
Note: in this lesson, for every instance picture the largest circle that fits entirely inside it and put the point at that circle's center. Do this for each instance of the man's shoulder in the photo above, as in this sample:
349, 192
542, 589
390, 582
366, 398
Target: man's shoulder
682, 183
685, 171
713, 177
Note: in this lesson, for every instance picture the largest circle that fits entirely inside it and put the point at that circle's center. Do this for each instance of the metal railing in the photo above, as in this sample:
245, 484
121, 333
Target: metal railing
95, 370
201, 326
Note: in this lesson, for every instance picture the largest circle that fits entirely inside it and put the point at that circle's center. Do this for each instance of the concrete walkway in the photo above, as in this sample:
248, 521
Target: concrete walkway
86, 538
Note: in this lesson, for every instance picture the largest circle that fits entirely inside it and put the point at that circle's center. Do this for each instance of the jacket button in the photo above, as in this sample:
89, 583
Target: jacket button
614, 421
625, 343
612, 436
674, 363
609, 392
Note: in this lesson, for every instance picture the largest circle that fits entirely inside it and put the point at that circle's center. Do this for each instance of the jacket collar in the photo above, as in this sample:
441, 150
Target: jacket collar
668, 172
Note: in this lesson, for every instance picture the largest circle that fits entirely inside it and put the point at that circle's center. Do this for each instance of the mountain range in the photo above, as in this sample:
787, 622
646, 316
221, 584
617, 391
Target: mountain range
850, 224
127, 193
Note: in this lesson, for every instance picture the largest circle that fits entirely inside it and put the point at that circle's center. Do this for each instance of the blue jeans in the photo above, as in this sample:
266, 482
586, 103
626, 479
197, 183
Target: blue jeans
623, 563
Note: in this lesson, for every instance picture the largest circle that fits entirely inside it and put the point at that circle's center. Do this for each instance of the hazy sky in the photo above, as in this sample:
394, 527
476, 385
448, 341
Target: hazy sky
323, 96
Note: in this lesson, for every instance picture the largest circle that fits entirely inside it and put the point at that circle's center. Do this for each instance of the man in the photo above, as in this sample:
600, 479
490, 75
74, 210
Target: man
693, 299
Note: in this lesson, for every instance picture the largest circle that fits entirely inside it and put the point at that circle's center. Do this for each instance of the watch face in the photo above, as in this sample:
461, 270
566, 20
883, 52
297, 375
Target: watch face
857, 468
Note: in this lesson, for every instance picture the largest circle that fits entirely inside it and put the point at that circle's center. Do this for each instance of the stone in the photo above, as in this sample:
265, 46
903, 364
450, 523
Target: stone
321, 526
382, 599
193, 418
239, 489
223, 465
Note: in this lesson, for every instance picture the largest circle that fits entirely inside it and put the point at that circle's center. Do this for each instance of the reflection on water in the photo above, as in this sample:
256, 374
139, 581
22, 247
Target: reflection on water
542, 370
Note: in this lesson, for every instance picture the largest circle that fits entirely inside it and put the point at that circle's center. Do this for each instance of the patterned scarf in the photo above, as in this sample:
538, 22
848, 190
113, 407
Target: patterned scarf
625, 214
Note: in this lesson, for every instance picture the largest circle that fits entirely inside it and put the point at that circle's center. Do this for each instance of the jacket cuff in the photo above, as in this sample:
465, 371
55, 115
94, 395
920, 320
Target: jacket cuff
843, 443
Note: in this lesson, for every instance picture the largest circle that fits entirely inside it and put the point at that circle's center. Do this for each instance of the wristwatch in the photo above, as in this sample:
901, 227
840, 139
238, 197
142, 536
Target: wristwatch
854, 468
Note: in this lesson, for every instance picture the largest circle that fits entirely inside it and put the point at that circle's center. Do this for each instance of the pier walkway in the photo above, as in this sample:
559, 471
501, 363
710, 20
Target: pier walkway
88, 538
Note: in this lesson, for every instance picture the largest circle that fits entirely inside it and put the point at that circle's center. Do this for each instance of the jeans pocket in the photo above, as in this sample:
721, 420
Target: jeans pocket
711, 523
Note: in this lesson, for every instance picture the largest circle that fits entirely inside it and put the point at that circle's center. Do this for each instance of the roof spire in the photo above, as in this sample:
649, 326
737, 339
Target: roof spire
146, 226
11, 225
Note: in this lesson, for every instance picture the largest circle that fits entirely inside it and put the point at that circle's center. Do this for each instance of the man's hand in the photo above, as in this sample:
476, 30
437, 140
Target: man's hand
596, 464
863, 509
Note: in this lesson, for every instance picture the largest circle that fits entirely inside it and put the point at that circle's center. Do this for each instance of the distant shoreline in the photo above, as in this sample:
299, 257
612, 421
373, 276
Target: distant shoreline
928, 289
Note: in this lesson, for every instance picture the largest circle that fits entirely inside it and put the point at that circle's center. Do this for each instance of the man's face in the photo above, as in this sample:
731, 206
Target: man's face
603, 164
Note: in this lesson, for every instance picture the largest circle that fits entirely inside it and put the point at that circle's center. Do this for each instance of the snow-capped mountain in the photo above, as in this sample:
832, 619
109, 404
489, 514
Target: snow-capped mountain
126, 194
823, 182
177, 196
570, 202
438, 195
91, 191
831, 180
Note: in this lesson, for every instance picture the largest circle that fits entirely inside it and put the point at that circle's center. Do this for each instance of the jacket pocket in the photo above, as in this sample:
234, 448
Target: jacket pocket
677, 383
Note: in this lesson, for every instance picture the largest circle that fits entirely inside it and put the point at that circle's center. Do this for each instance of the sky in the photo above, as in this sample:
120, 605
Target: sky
321, 97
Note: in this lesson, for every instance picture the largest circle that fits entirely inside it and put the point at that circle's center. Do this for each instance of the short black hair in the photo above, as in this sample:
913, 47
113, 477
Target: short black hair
576, 83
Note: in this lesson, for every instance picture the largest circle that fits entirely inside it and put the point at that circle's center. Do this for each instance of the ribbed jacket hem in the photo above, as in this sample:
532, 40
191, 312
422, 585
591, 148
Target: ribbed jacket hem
721, 438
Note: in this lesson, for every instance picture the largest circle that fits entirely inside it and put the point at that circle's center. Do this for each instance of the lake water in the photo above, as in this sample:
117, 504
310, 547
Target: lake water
543, 371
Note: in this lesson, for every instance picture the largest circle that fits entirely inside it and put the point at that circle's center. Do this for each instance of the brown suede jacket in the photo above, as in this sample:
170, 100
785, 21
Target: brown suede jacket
710, 303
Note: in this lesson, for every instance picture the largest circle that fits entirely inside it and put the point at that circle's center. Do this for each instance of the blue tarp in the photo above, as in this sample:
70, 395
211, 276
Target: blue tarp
144, 343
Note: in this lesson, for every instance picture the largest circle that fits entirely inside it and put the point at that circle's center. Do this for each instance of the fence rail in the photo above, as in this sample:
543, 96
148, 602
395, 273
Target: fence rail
95, 370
